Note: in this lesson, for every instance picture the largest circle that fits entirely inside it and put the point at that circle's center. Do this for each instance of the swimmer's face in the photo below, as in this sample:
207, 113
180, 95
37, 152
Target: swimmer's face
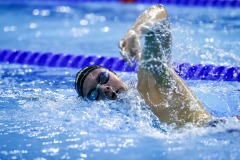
102, 84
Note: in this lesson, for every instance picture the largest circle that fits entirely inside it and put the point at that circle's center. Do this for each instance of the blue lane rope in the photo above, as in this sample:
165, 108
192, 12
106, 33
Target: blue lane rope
213, 3
185, 70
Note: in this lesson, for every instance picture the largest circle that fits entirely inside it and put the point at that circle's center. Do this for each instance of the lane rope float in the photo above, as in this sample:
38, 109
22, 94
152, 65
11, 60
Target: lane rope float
185, 70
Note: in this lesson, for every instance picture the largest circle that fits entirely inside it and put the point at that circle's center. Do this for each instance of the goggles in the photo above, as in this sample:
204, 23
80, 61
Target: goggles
103, 78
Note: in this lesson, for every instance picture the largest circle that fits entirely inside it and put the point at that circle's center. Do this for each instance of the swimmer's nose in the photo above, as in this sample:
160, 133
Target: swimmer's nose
107, 92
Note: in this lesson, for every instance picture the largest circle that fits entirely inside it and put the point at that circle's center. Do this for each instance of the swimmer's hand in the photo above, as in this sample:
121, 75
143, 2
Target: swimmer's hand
130, 44
129, 47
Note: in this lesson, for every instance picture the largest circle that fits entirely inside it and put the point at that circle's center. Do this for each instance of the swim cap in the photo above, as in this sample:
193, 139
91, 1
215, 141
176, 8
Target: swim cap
80, 77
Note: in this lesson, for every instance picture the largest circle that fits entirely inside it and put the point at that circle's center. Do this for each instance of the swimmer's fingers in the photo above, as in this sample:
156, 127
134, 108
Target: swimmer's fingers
125, 54
130, 47
135, 50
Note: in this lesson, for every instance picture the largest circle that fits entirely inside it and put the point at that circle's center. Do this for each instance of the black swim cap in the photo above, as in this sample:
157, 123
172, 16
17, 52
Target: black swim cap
80, 77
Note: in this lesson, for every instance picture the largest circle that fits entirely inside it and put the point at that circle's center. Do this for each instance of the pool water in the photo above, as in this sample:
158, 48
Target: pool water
42, 118
200, 35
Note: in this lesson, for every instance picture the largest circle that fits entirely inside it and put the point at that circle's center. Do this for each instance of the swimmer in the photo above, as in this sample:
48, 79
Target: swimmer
169, 98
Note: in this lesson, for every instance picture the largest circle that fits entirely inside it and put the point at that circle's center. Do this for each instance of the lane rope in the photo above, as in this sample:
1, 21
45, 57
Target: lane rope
185, 70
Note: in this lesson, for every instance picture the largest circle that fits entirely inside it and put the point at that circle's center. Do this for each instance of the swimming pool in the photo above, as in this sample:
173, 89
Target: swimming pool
41, 117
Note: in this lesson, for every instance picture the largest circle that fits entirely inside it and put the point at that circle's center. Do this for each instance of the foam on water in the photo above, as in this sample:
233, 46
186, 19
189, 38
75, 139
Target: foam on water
41, 117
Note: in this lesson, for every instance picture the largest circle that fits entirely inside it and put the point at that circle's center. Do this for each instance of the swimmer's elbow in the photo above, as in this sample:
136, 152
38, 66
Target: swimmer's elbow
162, 13
149, 18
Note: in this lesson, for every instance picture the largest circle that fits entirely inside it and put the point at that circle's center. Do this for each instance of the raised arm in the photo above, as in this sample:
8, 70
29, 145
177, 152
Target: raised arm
153, 25
130, 44
162, 89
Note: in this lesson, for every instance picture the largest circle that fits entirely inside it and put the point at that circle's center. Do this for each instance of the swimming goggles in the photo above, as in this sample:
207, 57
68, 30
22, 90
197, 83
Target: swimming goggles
102, 79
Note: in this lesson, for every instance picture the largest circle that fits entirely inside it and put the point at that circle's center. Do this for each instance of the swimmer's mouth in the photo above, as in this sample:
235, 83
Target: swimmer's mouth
115, 94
